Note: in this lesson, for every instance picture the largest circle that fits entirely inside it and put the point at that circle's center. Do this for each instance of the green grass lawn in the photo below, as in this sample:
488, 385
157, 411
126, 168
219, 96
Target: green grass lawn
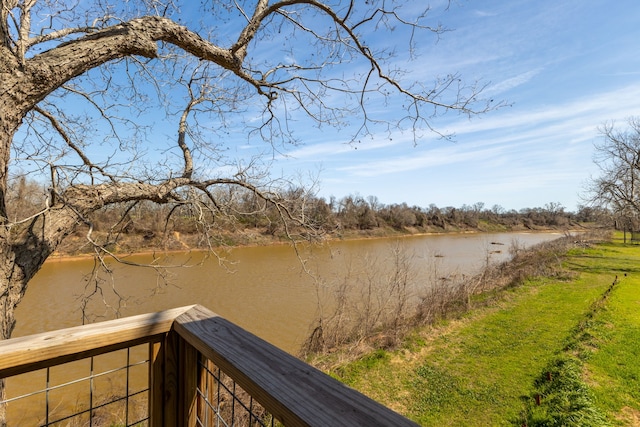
485, 368
612, 370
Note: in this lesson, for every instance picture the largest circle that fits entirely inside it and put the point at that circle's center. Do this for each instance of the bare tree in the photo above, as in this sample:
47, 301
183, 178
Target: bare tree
618, 185
79, 81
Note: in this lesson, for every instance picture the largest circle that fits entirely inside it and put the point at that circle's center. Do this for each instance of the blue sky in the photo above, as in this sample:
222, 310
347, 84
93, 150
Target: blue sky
565, 67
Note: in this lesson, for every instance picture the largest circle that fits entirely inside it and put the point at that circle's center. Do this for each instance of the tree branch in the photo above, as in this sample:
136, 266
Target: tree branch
136, 37
67, 139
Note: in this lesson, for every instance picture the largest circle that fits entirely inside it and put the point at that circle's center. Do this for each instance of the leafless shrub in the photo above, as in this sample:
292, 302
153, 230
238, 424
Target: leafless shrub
370, 303
515, 247
446, 297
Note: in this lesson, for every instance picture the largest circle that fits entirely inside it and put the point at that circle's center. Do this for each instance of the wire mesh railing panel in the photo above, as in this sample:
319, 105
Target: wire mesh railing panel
222, 403
105, 390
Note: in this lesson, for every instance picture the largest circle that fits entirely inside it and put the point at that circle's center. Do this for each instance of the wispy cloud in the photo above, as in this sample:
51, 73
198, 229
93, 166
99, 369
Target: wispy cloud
615, 104
483, 13
334, 146
511, 83
540, 132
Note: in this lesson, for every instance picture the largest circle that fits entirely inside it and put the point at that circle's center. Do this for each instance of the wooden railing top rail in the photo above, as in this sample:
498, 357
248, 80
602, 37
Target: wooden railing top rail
25, 354
296, 393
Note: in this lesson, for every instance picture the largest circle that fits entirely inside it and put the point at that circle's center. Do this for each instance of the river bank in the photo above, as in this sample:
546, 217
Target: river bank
561, 348
78, 247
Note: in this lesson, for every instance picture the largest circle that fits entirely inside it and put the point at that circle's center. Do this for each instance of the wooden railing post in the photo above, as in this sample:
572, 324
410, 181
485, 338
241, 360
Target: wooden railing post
188, 377
171, 400
173, 376
171, 381
156, 383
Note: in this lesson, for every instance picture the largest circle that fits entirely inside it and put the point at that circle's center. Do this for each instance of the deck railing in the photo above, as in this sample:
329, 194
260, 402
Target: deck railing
201, 370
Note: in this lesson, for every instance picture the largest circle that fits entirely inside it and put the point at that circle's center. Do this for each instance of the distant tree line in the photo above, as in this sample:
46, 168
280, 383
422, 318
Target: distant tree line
355, 212
240, 209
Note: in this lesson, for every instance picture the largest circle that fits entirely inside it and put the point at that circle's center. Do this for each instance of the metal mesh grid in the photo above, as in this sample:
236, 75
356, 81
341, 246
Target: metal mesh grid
222, 403
104, 390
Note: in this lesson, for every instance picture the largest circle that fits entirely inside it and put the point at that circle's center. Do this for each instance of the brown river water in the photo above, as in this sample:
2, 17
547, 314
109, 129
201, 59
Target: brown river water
265, 290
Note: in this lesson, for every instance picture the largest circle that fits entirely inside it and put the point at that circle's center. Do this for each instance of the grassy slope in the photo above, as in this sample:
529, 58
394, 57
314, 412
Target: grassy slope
481, 370
612, 371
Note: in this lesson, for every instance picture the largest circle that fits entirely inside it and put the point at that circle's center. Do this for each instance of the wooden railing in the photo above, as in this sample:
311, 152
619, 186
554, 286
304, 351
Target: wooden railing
202, 368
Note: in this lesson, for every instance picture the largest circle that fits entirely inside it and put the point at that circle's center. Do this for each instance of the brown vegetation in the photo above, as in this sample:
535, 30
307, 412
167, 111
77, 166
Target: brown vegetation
381, 313
145, 226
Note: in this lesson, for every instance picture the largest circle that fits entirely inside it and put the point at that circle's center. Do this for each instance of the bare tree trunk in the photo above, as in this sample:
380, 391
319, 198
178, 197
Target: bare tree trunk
23, 251
23, 246
16, 269
13, 284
